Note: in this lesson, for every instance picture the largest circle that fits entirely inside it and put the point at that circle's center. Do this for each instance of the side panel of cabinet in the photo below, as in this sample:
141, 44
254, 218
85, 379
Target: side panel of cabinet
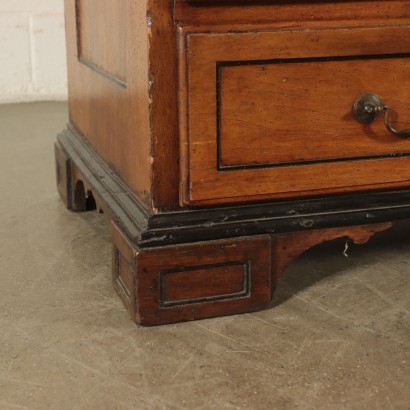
122, 66
108, 84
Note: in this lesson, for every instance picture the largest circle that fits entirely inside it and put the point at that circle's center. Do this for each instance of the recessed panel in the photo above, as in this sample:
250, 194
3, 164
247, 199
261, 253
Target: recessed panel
123, 273
204, 283
101, 34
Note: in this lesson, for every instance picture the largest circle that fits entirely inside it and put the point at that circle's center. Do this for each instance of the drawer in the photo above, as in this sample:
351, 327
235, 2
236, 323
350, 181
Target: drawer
211, 12
269, 115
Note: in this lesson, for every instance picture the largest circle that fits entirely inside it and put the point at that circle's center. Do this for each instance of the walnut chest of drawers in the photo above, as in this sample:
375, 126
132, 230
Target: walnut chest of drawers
221, 139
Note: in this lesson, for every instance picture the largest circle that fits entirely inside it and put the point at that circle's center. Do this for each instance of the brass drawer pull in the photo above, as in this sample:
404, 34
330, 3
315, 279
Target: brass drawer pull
368, 106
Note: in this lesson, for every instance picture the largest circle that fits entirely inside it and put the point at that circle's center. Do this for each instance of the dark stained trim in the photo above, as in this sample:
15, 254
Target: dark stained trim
187, 226
131, 215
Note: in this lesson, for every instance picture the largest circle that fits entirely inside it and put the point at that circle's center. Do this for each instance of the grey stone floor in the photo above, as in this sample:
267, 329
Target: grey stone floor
336, 338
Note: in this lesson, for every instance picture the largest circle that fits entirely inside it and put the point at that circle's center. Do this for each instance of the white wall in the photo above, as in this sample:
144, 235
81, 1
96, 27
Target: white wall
32, 50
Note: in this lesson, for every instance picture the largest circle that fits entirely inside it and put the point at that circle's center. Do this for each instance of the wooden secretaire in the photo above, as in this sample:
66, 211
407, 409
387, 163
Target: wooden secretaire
222, 138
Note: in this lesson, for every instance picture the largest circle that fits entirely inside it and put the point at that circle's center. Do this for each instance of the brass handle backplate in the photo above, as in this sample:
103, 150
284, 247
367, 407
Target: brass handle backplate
368, 106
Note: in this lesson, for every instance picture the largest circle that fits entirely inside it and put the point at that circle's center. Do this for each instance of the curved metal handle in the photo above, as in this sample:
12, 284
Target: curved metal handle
401, 134
368, 106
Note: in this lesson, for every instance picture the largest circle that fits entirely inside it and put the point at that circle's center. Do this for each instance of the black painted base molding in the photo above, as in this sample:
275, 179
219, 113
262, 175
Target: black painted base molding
170, 228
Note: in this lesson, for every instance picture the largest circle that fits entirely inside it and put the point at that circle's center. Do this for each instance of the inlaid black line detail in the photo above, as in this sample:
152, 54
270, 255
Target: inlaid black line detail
221, 64
245, 292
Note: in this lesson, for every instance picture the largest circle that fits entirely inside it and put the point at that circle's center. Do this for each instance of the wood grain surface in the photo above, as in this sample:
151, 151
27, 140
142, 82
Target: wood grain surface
293, 111
208, 12
125, 80
270, 120
203, 280
113, 117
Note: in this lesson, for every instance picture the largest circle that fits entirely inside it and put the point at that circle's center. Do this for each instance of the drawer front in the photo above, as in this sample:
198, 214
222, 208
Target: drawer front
269, 115
211, 12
